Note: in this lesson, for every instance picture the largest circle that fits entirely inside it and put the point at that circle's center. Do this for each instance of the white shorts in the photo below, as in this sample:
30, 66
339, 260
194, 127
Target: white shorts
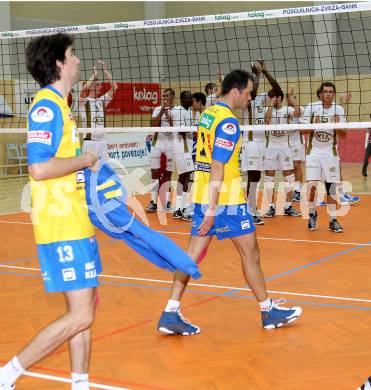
184, 162
297, 151
323, 168
99, 148
156, 158
252, 156
278, 159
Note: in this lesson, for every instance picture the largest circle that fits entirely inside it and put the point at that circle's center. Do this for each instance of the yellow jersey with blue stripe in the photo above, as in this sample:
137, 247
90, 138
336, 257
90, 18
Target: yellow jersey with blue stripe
59, 210
218, 138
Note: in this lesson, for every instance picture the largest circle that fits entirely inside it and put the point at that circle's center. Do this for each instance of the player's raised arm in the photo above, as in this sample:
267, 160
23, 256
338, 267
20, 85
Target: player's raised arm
108, 75
86, 87
256, 70
291, 100
276, 89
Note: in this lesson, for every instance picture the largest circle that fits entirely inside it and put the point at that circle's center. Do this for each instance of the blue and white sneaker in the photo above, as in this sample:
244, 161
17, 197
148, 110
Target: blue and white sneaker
321, 203
174, 323
366, 385
278, 315
349, 199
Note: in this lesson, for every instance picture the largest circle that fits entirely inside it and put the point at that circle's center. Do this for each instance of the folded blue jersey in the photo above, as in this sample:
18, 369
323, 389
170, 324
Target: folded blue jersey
106, 199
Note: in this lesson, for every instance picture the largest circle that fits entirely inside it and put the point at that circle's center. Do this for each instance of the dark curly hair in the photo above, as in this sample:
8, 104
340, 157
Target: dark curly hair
42, 54
236, 79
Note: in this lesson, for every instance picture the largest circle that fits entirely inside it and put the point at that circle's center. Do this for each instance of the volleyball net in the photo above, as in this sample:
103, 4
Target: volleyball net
301, 47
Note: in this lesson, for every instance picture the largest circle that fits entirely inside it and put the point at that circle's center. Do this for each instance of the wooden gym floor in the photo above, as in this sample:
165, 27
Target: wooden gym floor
327, 274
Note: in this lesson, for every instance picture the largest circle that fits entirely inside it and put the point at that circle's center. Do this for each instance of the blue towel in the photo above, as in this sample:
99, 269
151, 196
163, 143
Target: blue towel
106, 199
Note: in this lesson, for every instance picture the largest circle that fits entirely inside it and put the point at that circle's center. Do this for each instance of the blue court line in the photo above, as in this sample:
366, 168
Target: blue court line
18, 260
19, 274
311, 264
317, 261
209, 293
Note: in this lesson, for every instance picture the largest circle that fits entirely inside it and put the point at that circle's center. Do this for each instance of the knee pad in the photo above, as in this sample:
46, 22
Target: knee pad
289, 182
269, 182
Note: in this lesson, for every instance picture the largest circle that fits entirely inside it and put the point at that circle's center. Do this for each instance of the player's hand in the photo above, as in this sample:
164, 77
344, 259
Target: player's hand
166, 111
255, 69
219, 75
263, 67
95, 73
104, 66
90, 160
317, 119
345, 97
336, 118
291, 90
207, 222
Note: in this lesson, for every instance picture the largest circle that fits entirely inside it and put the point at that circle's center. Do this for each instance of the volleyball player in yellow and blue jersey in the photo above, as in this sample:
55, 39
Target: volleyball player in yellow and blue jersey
221, 209
219, 139
64, 235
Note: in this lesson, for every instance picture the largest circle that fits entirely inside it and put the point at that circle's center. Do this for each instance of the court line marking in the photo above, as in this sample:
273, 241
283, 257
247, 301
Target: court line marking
282, 239
304, 266
66, 380
16, 222
207, 285
259, 238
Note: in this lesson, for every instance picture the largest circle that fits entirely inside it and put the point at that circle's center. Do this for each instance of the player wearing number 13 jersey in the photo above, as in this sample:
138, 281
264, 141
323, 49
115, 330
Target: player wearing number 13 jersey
64, 235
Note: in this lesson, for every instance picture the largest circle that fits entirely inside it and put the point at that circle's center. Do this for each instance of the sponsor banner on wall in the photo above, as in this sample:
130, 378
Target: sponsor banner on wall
131, 150
129, 98
24, 94
134, 98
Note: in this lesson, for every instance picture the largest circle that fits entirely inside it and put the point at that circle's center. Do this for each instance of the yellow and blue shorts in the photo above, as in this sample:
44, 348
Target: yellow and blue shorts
230, 220
70, 265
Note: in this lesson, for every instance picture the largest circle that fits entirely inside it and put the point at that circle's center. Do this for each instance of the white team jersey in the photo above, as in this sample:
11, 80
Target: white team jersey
163, 140
294, 135
211, 100
323, 142
195, 119
182, 141
258, 118
280, 116
81, 109
96, 108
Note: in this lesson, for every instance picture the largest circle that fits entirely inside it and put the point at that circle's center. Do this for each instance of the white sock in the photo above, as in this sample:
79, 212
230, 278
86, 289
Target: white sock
265, 305
167, 197
154, 192
184, 200
11, 371
178, 203
80, 381
172, 305
340, 188
297, 186
273, 205
287, 205
331, 209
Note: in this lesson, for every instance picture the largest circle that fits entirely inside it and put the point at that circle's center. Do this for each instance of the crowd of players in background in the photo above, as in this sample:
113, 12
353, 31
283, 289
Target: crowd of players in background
261, 152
